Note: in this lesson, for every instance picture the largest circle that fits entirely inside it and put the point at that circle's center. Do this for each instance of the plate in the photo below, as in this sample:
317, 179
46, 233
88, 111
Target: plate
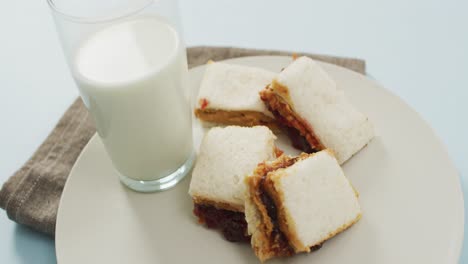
409, 192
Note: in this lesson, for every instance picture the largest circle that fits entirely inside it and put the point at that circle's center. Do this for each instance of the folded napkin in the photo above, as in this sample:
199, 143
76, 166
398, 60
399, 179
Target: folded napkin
31, 196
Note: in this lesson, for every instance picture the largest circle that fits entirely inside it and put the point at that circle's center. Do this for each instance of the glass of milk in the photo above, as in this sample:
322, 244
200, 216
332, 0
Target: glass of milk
128, 60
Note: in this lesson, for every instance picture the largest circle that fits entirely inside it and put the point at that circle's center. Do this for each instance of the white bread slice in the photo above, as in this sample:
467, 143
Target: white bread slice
317, 201
232, 87
313, 95
227, 155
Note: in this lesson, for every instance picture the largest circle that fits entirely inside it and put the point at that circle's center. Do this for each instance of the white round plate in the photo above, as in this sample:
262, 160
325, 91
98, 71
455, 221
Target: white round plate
409, 192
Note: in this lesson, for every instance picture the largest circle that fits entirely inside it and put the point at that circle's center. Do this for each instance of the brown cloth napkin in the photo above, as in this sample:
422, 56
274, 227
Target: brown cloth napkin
31, 196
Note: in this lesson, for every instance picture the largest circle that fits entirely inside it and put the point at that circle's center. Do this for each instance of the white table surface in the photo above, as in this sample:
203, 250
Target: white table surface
417, 49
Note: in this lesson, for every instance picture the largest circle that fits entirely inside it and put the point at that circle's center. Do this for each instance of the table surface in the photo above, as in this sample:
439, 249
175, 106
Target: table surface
417, 49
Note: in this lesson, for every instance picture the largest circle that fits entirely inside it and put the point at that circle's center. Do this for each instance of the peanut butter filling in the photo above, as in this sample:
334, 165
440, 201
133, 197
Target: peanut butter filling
274, 242
239, 118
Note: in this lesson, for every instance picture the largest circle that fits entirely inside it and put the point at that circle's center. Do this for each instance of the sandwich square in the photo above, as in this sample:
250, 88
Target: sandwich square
318, 184
228, 95
304, 98
296, 204
227, 155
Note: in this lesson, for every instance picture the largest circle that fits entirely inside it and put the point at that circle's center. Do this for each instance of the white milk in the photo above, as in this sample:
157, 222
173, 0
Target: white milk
132, 76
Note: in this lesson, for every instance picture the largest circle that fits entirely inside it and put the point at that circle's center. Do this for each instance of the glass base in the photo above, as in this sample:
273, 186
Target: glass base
160, 184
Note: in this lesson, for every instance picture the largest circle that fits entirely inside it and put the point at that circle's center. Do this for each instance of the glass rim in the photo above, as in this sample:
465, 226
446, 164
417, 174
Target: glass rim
97, 19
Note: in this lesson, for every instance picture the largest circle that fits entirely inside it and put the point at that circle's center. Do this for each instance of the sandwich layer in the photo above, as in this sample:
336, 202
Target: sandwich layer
318, 110
238, 118
229, 95
268, 240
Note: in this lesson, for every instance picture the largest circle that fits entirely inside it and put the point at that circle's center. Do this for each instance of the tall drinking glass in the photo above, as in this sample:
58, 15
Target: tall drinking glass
128, 60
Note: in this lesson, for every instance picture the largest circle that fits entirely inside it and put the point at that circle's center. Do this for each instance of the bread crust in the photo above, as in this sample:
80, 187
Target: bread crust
265, 242
282, 91
261, 243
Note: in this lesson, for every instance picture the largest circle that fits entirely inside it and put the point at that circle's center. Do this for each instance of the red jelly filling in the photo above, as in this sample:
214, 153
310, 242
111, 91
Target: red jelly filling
299, 142
301, 135
282, 247
231, 224
203, 103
